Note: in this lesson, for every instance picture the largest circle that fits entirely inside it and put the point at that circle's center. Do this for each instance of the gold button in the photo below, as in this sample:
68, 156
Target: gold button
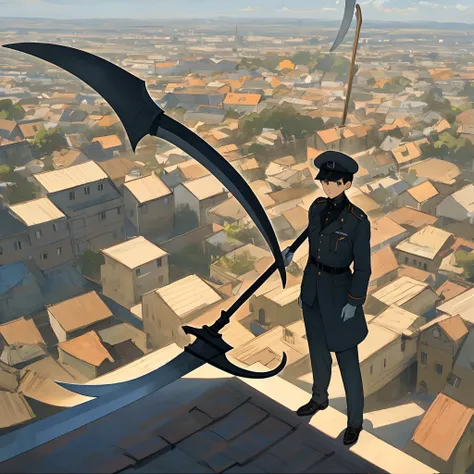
319, 273
342, 220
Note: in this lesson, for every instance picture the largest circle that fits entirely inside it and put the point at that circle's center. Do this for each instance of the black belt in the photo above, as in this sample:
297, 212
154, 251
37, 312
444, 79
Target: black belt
325, 268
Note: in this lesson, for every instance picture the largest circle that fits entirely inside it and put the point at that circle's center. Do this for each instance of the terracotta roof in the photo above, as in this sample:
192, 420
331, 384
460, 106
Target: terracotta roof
66, 158
29, 129
442, 426
330, 135
117, 168
87, 348
108, 141
415, 273
405, 153
108, 120
436, 170
411, 217
21, 331
384, 229
423, 192
80, 312
397, 123
383, 262
7, 125
312, 153
454, 327
449, 290
242, 99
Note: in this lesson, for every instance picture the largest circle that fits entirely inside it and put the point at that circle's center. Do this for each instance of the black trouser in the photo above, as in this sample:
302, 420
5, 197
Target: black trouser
321, 363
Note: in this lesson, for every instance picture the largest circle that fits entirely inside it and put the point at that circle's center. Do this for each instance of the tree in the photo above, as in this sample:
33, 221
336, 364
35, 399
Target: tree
231, 114
186, 219
4, 172
235, 231
241, 264
8, 111
90, 263
301, 58
466, 261
48, 141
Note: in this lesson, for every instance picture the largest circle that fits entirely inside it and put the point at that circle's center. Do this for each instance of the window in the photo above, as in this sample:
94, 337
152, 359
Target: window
38, 234
87, 190
424, 359
453, 380
384, 363
403, 345
414, 262
425, 266
167, 200
44, 256
144, 208
406, 259
72, 196
119, 211
261, 316
439, 369
100, 187
158, 262
59, 251
102, 216
55, 227
160, 279
371, 369
138, 272
17, 245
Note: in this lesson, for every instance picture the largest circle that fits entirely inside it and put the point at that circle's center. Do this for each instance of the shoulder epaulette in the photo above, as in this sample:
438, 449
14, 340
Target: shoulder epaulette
355, 211
319, 200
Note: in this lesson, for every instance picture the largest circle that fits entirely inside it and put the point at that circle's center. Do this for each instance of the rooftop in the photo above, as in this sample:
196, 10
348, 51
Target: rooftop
188, 295
383, 230
411, 217
68, 178
442, 426
37, 211
383, 262
117, 168
135, 252
462, 305
208, 421
436, 170
454, 327
398, 320
423, 192
425, 243
21, 331
205, 187
148, 188
80, 312
377, 338
87, 348
400, 291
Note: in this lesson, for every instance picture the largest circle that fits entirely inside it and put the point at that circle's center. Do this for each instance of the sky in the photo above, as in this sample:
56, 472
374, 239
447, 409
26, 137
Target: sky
386, 10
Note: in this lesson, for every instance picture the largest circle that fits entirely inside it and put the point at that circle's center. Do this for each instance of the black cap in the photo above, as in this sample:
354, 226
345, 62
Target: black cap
336, 163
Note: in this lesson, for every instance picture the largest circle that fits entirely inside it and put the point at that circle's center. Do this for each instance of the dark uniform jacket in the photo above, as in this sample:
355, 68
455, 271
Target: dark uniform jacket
344, 241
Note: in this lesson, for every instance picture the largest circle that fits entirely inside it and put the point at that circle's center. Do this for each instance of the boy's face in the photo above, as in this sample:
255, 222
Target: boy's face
334, 188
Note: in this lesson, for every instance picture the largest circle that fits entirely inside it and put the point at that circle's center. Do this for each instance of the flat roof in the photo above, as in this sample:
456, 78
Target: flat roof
134, 253
68, 178
426, 243
147, 188
37, 211
205, 187
188, 295
400, 291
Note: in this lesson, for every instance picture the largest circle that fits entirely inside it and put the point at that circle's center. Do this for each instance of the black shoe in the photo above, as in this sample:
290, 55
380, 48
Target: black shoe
311, 408
351, 435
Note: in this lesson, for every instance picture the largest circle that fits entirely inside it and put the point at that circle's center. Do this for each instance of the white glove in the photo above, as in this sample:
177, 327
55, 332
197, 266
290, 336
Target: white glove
287, 256
300, 302
348, 312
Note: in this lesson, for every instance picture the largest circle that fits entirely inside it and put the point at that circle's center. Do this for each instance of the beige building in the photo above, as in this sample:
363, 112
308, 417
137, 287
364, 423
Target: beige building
384, 268
460, 382
149, 206
165, 310
409, 294
459, 205
48, 233
385, 232
200, 195
36, 229
444, 437
76, 316
439, 342
423, 197
92, 203
86, 354
424, 248
132, 269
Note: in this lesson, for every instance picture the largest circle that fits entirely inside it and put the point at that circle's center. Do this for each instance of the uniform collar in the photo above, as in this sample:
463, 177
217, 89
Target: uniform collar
338, 201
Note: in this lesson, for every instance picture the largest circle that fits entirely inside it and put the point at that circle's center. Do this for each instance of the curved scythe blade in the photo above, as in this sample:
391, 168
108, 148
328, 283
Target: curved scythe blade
346, 23
140, 116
